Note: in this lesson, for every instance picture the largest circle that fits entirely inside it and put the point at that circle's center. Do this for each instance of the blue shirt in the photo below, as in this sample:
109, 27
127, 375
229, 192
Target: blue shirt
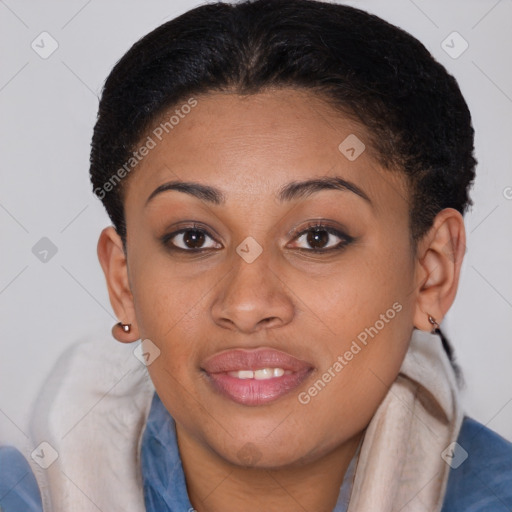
483, 482
164, 480
18, 486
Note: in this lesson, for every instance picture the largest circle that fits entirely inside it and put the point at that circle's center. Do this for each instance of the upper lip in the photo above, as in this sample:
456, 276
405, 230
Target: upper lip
253, 359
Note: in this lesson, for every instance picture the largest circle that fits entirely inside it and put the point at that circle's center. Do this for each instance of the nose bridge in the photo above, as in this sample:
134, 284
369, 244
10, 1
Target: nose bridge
252, 295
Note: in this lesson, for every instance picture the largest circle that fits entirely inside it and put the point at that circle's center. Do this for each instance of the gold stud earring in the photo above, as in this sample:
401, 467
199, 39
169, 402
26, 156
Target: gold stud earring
125, 327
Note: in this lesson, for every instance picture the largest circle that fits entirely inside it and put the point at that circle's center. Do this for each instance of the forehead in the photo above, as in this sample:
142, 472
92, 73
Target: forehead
252, 145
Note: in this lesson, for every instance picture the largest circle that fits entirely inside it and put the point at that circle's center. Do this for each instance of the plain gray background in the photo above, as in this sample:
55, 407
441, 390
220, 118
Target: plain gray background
48, 108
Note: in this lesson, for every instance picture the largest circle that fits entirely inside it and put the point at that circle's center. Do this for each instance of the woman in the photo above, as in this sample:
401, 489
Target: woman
287, 182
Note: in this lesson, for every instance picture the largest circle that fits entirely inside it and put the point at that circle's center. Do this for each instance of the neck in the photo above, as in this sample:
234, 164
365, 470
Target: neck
216, 485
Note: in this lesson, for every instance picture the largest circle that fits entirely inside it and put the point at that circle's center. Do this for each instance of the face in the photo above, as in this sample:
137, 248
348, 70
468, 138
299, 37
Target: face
282, 312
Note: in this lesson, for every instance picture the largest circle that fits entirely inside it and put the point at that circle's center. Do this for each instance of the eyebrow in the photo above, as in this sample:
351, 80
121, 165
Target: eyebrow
289, 192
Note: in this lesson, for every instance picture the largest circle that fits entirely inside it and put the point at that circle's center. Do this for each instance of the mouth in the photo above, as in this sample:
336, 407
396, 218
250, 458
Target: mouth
255, 377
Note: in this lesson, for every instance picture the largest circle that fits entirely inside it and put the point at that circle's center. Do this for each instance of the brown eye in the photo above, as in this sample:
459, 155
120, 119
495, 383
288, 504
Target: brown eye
321, 238
318, 238
193, 239
189, 240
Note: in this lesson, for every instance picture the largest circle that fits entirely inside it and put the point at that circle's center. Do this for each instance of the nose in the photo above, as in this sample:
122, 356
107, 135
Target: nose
253, 297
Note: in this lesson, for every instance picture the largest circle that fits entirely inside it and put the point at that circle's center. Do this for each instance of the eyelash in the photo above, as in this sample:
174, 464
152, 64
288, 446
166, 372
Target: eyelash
313, 226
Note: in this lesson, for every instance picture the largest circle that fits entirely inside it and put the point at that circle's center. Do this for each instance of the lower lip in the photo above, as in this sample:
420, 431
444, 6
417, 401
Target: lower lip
256, 392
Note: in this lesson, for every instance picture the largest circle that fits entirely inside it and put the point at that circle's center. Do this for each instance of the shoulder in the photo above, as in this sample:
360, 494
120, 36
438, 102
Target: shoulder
481, 474
18, 486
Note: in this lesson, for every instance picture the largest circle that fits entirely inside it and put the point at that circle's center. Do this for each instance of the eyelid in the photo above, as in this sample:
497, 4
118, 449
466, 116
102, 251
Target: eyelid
295, 233
320, 225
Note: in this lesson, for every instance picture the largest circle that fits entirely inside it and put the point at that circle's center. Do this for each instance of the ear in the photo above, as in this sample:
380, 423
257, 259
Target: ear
113, 262
439, 259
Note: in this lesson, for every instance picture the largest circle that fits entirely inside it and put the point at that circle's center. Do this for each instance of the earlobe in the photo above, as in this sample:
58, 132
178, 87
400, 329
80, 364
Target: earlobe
113, 262
439, 261
123, 333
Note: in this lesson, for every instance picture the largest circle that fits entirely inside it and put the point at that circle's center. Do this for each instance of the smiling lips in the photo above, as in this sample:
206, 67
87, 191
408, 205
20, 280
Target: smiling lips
255, 377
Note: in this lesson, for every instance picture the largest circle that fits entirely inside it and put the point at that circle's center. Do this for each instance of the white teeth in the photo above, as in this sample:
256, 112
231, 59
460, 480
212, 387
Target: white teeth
264, 373
244, 374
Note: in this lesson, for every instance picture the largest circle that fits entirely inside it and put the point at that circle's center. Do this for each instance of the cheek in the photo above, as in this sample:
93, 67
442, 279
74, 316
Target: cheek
353, 294
168, 310
167, 299
365, 312
364, 348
